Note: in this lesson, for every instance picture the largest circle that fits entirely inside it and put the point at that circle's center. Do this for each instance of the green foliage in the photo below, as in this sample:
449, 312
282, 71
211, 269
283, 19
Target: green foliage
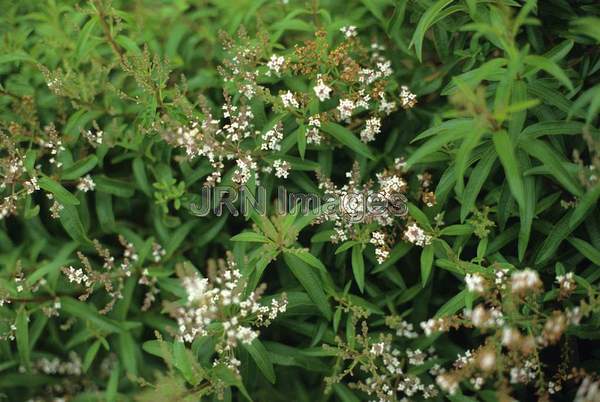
484, 128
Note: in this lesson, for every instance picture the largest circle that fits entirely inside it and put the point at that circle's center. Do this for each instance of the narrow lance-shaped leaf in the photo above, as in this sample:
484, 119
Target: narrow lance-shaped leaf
62, 195
308, 278
506, 152
358, 266
347, 138
260, 356
426, 263
22, 335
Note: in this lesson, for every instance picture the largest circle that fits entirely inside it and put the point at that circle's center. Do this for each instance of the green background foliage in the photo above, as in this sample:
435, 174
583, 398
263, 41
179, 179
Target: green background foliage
508, 91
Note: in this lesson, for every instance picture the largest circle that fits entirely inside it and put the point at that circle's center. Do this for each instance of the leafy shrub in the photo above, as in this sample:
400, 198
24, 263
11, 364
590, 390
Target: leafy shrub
474, 124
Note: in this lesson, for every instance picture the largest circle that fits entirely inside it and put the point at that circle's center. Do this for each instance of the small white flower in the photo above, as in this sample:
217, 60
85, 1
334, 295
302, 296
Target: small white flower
346, 107
289, 100
475, 283
275, 64
414, 234
378, 348
282, 168
272, 138
524, 281
372, 127
86, 184
321, 90
407, 98
348, 31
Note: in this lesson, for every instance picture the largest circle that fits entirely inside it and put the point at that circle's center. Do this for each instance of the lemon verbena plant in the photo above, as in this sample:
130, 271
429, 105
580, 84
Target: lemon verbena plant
325, 200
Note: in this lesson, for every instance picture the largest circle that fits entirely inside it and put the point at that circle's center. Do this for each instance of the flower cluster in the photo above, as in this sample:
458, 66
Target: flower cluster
361, 90
511, 348
223, 300
112, 273
386, 371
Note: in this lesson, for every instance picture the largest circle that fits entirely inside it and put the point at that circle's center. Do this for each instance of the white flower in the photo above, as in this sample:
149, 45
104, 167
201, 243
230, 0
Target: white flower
348, 31
475, 283
385, 68
195, 287
275, 64
246, 335
313, 135
31, 185
246, 167
385, 106
346, 107
76, 275
86, 184
372, 127
321, 90
378, 348
525, 280
414, 234
487, 360
566, 282
415, 357
447, 383
282, 168
407, 98
272, 138
289, 100
94, 138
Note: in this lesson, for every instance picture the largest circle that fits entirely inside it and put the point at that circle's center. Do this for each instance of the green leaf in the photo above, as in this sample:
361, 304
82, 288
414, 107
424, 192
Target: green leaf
345, 246
358, 266
79, 168
60, 259
116, 187
425, 22
22, 335
588, 203
140, 176
310, 281
552, 127
451, 132
231, 379
90, 355
559, 233
453, 305
251, 237
550, 67
182, 360
301, 133
585, 248
478, 177
104, 211
62, 195
310, 259
261, 358
88, 314
113, 383
588, 25
527, 211
462, 156
71, 222
15, 56
426, 263
553, 162
178, 236
506, 152
127, 353
346, 137
456, 230
419, 216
